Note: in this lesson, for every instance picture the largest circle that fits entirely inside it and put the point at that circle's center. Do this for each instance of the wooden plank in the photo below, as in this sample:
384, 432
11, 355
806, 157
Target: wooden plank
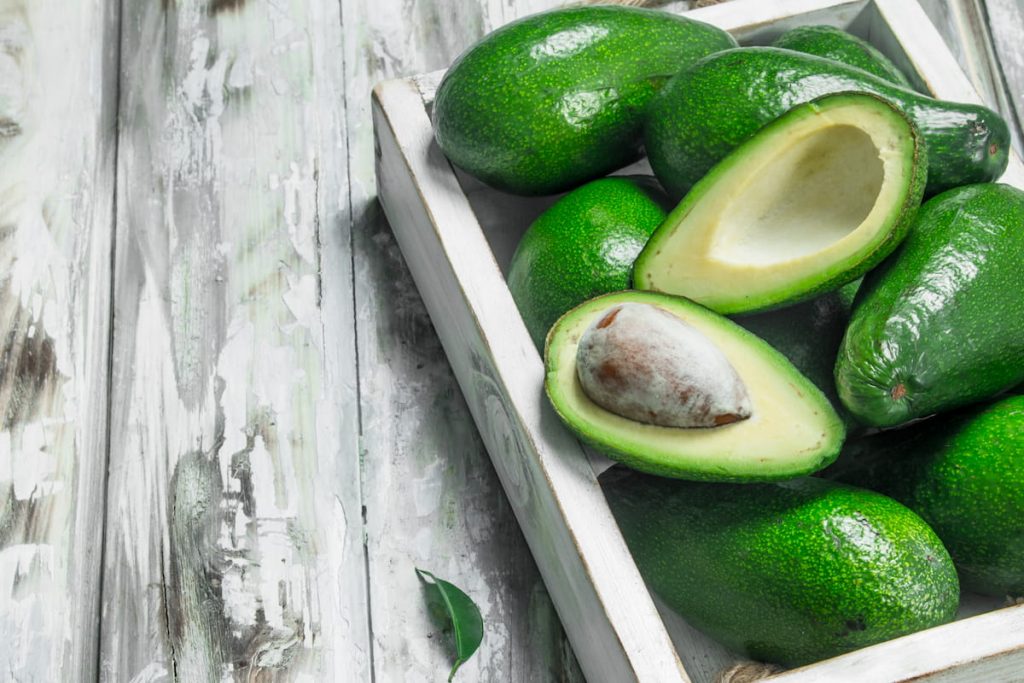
431, 494
58, 97
234, 540
1004, 20
983, 648
968, 30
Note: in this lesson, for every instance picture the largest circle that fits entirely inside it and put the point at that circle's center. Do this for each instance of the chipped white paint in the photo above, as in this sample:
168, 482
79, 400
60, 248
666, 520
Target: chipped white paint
432, 498
235, 455
234, 468
57, 82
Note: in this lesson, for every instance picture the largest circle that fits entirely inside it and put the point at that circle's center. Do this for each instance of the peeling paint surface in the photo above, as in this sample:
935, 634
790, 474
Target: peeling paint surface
56, 189
192, 182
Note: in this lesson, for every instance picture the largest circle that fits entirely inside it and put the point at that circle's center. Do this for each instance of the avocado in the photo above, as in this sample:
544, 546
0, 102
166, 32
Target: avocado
809, 203
964, 474
548, 102
940, 323
791, 429
809, 334
582, 246
710, 108
838, 45
790, 572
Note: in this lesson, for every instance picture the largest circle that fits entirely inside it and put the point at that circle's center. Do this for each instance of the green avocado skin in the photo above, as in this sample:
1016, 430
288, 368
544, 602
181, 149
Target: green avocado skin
809, 334
555, 99
838, 45
940, 323
964, 474
791, 572
584, 245
709, 108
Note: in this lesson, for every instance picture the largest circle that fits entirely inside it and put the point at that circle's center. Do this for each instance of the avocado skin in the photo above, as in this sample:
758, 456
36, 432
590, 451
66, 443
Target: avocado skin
809, 334
708, 109
582, 246
940, 323
791, 572
964, 474
555, 99
838, 45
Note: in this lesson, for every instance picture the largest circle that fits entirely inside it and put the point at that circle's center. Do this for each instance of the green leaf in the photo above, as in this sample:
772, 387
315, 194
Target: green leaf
444, 599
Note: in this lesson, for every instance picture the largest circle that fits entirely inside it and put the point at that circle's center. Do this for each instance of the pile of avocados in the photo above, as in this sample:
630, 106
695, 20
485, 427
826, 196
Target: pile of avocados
762, 335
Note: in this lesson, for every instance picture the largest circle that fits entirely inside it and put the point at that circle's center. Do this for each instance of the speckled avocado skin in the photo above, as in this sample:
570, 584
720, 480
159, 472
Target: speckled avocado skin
709, 108
555, 99
792, 572
964, 474
583, 246
940, 323
838, 45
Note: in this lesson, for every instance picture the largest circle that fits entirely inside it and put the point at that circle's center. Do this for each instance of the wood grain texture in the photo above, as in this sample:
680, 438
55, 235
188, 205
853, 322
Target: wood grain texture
58, 88
970, 28
432, 497
234, 539
1004, 20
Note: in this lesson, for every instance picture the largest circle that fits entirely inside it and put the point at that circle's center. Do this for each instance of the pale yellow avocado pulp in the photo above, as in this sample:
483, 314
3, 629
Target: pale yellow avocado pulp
792, 430
795, 210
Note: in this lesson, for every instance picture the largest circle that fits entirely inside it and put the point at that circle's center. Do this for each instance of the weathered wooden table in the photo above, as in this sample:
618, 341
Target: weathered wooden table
229, 432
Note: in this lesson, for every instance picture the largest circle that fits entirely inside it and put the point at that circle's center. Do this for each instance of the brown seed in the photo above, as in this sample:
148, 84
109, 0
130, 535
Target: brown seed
645, 364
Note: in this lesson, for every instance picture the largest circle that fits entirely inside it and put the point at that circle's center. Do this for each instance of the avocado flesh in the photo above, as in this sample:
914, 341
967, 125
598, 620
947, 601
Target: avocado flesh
708, 109
791, 572
964, 474
808, 204
940, 323
792, 429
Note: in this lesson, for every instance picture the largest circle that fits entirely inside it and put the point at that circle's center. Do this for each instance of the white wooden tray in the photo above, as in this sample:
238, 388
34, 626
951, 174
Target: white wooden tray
458, 236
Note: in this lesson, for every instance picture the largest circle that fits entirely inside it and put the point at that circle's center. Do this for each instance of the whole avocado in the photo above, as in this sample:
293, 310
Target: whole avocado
791, 572
706, 110
940, 323
838, 45
965, 476
555, 99
582, 246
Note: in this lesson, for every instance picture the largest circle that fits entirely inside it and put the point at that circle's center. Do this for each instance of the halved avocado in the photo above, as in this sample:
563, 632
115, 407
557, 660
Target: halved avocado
813, 201
792, 428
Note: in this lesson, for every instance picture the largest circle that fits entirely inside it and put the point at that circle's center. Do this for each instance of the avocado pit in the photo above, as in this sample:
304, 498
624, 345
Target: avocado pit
645, 364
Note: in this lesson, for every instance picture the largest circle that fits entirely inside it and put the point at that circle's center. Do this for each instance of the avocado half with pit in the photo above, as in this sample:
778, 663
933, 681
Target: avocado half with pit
813, 201
763, 420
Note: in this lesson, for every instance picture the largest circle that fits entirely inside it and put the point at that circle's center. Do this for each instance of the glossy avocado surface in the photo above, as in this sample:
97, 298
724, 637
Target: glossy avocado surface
555, 99
582, 246
713, 106
838, 45
964, 474
791, 572
940, 323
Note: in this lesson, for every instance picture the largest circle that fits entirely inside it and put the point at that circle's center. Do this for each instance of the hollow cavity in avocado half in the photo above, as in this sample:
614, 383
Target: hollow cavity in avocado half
791, 428
811, 202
